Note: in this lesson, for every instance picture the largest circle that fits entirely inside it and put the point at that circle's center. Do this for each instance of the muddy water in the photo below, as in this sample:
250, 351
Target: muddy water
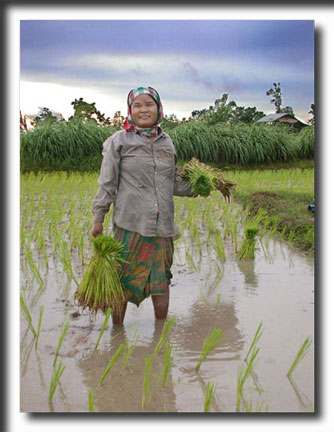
276, 289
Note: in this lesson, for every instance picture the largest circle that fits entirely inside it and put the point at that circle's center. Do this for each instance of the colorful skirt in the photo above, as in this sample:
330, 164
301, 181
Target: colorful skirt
147, 269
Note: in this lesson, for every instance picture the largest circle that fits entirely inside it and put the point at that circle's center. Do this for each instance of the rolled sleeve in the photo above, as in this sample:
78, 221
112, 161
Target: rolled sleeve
108, 180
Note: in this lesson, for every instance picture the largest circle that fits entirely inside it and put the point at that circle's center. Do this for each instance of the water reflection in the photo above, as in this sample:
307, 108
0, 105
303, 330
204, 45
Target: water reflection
203, 317
122, 389
247, 267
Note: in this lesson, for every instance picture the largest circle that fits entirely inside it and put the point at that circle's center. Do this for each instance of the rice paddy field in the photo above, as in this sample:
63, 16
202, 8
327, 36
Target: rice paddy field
240, 332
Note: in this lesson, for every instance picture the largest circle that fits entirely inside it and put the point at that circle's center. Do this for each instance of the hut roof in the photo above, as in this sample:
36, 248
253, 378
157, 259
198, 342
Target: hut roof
277, 116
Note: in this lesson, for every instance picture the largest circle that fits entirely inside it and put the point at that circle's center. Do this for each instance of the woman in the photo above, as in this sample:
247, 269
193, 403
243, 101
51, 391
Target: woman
138, 175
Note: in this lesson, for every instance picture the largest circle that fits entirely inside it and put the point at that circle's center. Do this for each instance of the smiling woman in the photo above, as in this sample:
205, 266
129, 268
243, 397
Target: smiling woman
139, 176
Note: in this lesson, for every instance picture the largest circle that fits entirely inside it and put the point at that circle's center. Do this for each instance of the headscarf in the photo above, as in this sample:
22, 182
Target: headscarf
129, 123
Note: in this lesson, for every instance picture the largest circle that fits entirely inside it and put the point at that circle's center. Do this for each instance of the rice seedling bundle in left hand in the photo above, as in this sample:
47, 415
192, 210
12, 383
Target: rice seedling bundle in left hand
205, 179
100, 286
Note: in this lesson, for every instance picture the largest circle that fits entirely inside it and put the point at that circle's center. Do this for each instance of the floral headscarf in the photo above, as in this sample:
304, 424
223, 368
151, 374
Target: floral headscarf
129, 123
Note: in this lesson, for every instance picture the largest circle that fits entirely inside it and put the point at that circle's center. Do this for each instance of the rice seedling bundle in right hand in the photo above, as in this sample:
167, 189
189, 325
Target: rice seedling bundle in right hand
205, 179
101, 286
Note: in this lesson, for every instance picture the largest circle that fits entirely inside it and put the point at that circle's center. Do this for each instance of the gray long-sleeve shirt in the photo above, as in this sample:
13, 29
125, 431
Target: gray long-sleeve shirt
139, 177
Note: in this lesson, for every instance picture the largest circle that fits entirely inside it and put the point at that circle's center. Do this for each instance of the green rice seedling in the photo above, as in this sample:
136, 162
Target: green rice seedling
247, 247
209, 344
101, 285
66, 260
91, 400
167, 363
300, 355
218, 246
26, 315
127, 353
103, 327
56, 374
244, 371
209, 394
256, 338
260, 407
191, 261
41, 308
112, 362
63, 332
147, 374
218, 298
168, 324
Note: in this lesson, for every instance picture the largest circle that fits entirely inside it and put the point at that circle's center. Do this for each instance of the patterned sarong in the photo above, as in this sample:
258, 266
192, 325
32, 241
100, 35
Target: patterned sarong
148, 267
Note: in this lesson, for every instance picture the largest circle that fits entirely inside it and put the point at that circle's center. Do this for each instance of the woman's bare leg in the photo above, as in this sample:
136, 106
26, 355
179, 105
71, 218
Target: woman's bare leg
160, 304
118, 315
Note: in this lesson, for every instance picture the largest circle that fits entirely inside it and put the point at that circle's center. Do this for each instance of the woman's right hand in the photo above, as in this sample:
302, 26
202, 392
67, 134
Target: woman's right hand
97, 229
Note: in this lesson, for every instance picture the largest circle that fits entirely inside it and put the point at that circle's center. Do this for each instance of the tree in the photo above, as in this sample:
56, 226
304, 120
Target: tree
85, 112
311, 121
277, 96
288, 110
246, 115
46, 116
118, 119
171, 121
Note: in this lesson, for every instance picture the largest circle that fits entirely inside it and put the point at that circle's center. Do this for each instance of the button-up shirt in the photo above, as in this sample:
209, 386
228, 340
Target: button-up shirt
139, 176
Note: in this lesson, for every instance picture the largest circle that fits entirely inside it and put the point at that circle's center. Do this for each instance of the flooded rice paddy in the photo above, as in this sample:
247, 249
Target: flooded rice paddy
211, 288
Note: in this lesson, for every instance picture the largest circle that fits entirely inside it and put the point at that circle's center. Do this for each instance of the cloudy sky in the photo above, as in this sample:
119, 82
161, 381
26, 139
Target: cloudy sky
191, 63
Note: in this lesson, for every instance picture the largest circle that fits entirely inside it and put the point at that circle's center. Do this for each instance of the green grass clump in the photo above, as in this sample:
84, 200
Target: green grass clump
247, 247
209, 344
101, 286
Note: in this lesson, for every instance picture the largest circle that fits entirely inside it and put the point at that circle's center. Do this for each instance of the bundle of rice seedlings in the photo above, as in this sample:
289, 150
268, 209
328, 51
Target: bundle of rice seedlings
101, 286
205, 179
247, 248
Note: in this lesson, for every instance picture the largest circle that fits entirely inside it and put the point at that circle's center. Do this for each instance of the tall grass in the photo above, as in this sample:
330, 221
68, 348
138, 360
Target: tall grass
241, 144
306, 147
64, 145
78, 146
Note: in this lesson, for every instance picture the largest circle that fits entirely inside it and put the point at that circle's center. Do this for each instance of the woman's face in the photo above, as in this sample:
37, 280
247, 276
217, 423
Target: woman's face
144, 111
